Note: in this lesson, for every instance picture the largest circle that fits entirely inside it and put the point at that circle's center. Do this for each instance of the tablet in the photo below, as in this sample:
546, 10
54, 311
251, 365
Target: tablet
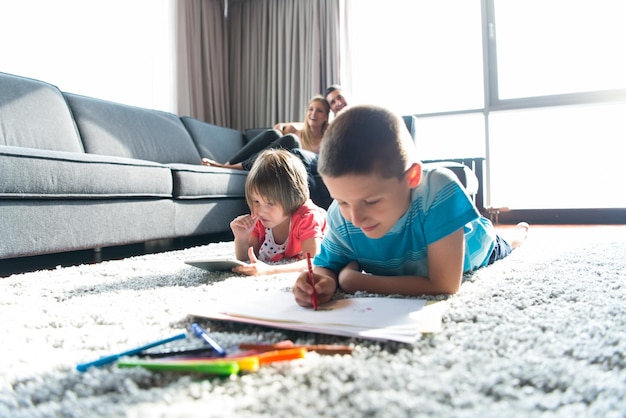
216, 264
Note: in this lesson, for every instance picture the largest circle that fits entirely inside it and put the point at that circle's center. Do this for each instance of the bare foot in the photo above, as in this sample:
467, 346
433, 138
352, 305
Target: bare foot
518, 235
211, 163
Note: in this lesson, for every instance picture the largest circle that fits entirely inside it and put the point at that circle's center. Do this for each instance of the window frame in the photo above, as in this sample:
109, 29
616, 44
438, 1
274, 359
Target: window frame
493, 103
492, 99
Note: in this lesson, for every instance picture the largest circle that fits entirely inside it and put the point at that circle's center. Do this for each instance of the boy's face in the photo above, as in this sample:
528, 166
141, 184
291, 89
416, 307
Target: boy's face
372, 203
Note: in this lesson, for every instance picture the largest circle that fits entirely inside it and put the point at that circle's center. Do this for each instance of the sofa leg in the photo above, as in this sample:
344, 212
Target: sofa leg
97, 254
158, 245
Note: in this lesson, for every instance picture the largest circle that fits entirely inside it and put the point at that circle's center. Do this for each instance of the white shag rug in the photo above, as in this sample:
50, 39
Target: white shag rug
541, 333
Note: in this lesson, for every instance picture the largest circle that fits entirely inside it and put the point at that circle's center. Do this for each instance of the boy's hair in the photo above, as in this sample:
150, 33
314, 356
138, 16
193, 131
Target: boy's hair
280, 177
365, 140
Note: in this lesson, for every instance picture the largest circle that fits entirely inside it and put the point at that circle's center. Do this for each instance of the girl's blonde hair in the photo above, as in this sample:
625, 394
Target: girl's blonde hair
280, 177
306, 136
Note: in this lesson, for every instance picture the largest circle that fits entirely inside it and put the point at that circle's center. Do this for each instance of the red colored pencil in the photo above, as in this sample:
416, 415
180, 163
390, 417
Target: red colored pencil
311, 281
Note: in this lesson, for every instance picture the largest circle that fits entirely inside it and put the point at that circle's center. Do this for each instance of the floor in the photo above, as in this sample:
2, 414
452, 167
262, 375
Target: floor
51, 261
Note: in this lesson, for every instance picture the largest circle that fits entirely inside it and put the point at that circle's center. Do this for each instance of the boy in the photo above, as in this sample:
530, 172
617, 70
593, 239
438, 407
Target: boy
394, 229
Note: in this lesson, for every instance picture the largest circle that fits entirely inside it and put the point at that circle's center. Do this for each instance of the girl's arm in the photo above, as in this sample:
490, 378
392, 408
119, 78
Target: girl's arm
241, 248
256, 267
242, 227
445, 270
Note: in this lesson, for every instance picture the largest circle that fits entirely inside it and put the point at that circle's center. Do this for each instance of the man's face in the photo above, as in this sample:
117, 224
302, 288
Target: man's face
336, 101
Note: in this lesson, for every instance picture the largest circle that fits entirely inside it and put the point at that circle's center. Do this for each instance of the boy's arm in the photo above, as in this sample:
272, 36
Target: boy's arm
445, 270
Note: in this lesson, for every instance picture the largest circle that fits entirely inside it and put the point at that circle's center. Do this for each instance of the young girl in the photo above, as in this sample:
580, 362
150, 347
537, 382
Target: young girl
284, 223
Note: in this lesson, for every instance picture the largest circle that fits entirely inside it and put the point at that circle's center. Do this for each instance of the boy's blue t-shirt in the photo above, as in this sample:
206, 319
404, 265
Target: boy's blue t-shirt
439, 206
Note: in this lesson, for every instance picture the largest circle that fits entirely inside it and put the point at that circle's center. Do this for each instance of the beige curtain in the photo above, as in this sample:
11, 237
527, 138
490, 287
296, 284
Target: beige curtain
280, 54
202, 75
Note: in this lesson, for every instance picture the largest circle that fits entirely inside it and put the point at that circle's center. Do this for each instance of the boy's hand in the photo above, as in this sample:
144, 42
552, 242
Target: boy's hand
325, 286
242, 226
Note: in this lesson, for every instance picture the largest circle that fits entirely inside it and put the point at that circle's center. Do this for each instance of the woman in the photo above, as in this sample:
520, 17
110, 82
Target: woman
308, 137
311, 131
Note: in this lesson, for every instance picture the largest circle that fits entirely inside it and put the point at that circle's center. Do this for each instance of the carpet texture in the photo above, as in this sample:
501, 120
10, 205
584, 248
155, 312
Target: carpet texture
541, 333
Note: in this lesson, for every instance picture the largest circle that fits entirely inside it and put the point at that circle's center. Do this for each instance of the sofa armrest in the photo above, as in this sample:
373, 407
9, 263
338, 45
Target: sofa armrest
252, 132
212, 141
470, 174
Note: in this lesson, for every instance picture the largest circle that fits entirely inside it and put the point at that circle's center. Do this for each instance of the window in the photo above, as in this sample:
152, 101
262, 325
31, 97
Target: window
416, 56
451, 136
558, 157
546, 108
558, 46
111, 49
559, 63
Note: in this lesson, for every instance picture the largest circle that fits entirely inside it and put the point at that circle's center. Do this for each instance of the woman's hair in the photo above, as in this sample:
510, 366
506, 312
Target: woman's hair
306, 136
365, 140
280, 177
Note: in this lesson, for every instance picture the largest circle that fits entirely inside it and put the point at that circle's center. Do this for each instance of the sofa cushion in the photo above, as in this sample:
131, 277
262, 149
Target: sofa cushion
198, 181
214, 142
33, 173
40, 226
109, 128
34, 114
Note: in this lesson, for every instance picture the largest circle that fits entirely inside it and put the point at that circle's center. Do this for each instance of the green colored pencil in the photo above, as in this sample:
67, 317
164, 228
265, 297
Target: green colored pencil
222, 368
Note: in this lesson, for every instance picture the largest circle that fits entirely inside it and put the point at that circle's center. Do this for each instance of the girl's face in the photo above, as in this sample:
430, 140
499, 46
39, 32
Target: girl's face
316, 114
271, 214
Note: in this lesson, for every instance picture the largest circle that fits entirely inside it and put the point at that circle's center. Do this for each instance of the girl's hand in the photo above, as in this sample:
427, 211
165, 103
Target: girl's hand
242, 226
254, 267
325, 286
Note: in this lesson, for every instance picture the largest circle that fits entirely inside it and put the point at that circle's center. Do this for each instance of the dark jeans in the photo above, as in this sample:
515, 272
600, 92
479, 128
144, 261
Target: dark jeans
270, 139
500, 250
317, 188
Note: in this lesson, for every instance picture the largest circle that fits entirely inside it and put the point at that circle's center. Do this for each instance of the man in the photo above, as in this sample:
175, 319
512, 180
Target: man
335, 98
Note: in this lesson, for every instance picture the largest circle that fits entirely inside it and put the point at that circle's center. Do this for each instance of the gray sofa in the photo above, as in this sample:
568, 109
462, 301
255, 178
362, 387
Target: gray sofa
81, 173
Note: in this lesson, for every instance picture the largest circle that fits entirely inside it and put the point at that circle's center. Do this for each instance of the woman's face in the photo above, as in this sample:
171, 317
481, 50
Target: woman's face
316, 114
